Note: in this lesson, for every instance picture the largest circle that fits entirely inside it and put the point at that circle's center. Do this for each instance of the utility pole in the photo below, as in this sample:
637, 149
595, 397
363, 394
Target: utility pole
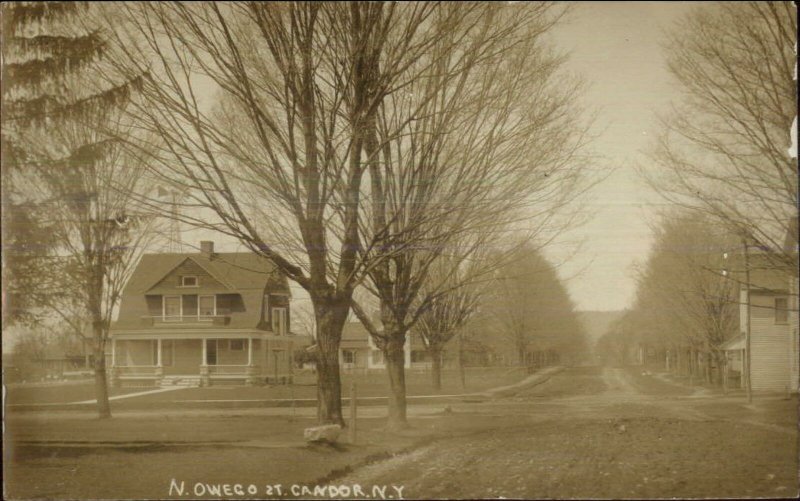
748, 386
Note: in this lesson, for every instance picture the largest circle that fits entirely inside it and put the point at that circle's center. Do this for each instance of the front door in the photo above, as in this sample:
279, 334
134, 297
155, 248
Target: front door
211, 352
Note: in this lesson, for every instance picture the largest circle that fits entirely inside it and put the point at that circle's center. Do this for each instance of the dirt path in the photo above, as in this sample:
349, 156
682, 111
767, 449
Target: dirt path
619, 384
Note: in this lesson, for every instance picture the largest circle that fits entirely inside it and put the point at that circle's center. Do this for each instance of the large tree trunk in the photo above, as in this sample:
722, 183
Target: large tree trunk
721, 367
100, 379
461, 372
330, 318
435, 353
395, 368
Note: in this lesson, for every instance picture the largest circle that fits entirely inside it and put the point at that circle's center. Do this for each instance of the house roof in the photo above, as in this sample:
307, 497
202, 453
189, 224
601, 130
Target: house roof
355, 335
765, 279
242, 276
790, 244
354, 331
235, 270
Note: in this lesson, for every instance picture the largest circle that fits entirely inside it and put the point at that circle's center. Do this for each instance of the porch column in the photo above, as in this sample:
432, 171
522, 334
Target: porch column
267, 351
262, 357
251, 371
114, 373
205, 379
159, 372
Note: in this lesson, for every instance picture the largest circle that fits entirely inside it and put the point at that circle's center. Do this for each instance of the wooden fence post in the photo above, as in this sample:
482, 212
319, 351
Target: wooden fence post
353, 411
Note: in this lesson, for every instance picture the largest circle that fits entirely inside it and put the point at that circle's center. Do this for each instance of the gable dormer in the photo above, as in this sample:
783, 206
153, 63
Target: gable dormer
187, 276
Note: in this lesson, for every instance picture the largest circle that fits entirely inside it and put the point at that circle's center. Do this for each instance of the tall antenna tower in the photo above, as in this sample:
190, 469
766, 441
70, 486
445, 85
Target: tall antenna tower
174, 240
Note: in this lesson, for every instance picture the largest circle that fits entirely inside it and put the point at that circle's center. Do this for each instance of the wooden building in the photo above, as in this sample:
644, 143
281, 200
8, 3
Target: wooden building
203, 318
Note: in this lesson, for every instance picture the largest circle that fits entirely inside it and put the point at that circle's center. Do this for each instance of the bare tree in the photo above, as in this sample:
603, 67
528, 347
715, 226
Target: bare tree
80, 180
450, 305
530, 310
724, 150
684, 301
280, 159
93, 217
490, 135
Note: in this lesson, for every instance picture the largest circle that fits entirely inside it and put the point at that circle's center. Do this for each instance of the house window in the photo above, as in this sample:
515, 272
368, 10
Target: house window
236, 344
208, 306
189, 281
172, 308
189, 304
349, 356
279, 321
781, 310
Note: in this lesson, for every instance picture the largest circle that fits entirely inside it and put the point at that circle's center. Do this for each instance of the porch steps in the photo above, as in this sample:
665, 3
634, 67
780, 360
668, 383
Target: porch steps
185, 381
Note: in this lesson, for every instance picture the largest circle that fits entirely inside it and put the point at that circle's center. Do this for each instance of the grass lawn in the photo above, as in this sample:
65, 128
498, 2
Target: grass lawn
574, 381
368, 385
71, 471
57, 393
230, 448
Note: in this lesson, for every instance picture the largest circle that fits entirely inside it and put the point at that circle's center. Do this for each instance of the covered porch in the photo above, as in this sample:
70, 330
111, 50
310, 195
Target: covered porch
215, 358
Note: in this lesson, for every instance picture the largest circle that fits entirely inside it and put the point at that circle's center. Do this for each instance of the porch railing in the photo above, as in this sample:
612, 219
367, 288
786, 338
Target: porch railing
187, 319
230, 369
135, 370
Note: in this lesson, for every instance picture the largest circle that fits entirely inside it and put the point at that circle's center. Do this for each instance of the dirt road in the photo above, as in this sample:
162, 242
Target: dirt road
584, 432
603, 433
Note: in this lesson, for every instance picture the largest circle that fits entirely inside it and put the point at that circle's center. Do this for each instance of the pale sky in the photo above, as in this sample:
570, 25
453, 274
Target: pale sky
616, 46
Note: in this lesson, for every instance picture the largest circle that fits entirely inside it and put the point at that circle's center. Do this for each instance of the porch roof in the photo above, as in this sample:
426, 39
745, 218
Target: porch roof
734, 344
190, 333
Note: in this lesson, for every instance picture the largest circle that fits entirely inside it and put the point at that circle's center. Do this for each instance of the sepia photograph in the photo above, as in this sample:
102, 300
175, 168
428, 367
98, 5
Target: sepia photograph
399, 250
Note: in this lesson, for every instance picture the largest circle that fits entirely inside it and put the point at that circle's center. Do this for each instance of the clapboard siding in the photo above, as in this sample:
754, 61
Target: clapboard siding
770, 347
794, 301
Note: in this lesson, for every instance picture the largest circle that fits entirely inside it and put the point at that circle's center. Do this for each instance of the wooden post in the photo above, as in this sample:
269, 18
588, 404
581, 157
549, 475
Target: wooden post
158, 362
461, 371
113, 352
748, 386
725, 374
353, 411
204, 343
249, 352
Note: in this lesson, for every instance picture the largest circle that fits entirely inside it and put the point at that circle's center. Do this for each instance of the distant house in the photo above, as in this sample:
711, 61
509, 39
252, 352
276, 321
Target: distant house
67, 361
201, 319
43, 354
357, 351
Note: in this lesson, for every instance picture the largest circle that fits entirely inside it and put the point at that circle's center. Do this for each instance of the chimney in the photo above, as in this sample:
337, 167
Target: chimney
207, 248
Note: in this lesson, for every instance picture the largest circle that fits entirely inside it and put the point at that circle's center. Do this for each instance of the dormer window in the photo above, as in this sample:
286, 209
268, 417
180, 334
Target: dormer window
279, 321
189, 281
